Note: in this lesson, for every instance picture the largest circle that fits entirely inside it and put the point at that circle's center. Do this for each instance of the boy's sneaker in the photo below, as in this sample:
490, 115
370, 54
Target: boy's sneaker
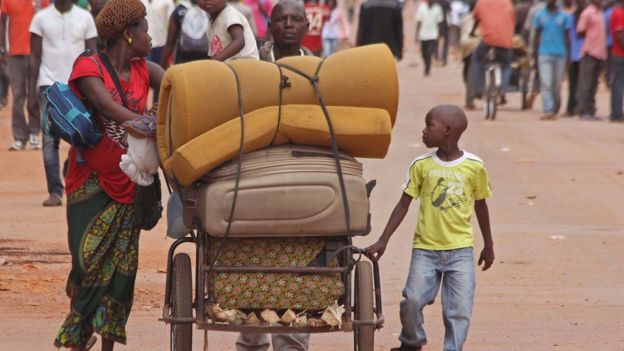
18, 145
408, 348
34, 141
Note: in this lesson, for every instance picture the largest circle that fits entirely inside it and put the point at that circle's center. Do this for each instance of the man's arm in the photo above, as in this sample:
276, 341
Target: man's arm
3, 23
536, 44
172, 38
34, 63
483, 217
400, 210
91, 45
619, 36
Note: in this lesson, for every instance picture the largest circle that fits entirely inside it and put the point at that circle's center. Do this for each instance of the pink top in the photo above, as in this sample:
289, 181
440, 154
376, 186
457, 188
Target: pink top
592, 22
261, 10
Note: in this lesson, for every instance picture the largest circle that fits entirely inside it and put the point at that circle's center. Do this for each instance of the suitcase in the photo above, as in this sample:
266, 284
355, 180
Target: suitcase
285, 191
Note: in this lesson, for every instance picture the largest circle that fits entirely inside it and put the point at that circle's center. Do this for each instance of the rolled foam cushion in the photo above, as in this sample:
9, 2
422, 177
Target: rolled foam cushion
360, 132
200, 96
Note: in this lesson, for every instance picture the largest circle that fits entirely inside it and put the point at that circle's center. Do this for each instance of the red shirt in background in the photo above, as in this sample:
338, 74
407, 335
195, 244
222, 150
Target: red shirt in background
317, 15
21, 13
104, 158
617, 24
497, 20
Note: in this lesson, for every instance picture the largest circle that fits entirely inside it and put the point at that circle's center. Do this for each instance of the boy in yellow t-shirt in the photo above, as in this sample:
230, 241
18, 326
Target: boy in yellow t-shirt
450, 183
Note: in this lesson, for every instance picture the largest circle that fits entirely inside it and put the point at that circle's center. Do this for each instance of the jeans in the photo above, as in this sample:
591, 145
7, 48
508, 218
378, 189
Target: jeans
51, 161
478, 69
573, 77
17, 69
330, 46
588, 84
551, 70
617, 88
281, 342
455, 271
427, 49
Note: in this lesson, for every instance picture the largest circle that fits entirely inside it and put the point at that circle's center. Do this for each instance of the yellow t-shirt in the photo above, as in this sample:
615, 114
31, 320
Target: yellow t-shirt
447, 192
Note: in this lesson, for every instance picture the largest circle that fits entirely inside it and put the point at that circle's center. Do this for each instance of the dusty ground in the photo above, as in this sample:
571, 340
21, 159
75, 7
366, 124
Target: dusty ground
556, 215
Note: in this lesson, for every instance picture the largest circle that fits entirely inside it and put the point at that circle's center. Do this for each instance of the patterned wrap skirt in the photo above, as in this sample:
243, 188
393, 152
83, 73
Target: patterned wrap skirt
104, 248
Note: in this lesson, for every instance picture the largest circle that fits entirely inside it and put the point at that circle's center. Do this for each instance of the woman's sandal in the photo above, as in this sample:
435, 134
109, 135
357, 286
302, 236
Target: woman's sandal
89, 344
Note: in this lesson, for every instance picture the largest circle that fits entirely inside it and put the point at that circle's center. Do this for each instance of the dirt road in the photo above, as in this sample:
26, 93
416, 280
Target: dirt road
556, 214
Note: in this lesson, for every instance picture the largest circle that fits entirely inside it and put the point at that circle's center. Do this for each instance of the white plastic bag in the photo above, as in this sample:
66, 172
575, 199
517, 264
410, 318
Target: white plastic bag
140, 163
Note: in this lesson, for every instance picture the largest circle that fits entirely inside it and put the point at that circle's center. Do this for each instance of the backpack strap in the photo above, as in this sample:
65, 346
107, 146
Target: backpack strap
113, 75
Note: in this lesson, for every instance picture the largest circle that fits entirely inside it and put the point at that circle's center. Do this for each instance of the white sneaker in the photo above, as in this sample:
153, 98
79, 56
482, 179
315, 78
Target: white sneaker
18, 145
34, 141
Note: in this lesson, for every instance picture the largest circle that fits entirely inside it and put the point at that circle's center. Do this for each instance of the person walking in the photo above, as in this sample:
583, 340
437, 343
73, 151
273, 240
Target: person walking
429, 22
261, 11
336, 30
317, 14
103, 241
59, 34
497, 31
381, 21
552, 44
617, 83
576, 44
591, 26
452, 185
172, 46
19, 14
288, 27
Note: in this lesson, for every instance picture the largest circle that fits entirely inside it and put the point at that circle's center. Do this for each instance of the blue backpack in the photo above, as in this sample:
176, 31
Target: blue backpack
69, 118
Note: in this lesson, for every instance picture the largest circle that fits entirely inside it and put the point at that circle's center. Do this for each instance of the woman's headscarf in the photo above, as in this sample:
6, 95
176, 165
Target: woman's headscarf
117, 16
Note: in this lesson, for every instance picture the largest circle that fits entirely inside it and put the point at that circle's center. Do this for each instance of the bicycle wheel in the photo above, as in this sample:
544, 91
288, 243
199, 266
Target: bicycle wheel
182, 303
364, 293
491, 95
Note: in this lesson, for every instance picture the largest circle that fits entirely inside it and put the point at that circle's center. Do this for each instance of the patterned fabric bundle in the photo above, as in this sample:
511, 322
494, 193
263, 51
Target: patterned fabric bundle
117, 16
279, 290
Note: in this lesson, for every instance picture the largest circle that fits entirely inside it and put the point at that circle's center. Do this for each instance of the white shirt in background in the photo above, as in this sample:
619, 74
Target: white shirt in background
161, 11
63, 40
220, 38
458, 10
430, 18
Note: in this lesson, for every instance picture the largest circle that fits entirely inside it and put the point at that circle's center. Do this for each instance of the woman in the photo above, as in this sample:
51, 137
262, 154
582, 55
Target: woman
102, 240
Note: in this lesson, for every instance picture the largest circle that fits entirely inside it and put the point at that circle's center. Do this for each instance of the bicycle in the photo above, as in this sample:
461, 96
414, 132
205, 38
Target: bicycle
493, 80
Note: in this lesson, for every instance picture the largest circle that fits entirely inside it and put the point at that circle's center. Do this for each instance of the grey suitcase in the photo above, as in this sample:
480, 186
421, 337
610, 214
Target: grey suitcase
285, 191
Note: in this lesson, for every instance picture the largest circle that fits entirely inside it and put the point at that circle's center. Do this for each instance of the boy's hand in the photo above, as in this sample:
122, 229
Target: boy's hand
376, 250
487, 258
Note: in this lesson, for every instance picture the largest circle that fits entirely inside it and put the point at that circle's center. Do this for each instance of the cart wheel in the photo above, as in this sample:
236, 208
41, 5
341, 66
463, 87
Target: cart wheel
364, 292
182, 303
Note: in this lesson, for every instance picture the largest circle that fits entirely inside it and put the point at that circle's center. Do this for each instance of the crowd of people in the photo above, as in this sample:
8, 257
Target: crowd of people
112, 53
580, 39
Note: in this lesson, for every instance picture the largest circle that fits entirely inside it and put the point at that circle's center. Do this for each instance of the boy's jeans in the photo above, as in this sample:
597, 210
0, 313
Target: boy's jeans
551, 71
455, 270
51, 161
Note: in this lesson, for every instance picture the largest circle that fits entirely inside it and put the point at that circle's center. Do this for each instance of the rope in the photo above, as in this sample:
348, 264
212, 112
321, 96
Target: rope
314, 81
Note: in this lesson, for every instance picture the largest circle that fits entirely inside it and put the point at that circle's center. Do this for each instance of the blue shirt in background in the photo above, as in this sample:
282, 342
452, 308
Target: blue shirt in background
607, 17
576, 42
552, 27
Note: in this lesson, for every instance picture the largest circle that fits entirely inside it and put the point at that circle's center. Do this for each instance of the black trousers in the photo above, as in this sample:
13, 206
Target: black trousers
589, 73
427, 49
573, 79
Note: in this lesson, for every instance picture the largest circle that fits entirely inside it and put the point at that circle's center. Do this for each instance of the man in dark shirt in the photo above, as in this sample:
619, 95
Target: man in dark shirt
381, 21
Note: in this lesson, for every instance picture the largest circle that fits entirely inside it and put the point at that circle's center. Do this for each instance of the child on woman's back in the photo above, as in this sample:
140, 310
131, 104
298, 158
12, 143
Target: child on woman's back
229, 33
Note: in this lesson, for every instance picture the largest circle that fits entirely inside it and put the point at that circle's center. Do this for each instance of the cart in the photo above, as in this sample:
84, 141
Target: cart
185, 305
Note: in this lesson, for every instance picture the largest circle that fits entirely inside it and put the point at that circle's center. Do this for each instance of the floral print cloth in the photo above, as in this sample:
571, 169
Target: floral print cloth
275, 290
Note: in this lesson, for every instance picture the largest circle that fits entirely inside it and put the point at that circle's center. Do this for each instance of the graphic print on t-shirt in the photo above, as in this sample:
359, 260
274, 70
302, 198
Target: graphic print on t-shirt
216, 46
448, 191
